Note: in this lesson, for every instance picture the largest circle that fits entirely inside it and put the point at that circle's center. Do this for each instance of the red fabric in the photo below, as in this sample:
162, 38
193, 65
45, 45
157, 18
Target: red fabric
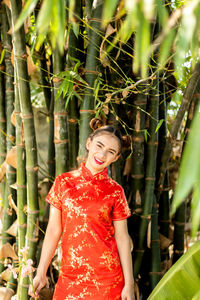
90, 266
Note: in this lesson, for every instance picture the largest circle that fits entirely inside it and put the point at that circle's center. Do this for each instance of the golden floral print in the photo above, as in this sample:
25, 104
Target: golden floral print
90, 266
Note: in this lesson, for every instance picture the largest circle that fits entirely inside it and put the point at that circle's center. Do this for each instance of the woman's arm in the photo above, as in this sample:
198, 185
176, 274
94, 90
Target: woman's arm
124, 249
52, 237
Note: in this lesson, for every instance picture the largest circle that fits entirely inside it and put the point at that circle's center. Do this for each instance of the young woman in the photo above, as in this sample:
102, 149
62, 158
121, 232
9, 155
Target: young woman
90, 210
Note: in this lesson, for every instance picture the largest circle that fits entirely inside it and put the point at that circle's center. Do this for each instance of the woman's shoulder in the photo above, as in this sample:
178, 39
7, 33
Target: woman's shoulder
68, 177
114, 184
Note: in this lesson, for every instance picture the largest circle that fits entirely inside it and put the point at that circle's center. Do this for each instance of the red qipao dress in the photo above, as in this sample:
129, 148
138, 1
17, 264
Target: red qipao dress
90, 266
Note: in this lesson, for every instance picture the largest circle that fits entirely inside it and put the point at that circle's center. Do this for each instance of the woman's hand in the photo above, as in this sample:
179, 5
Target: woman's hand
38, 283
128, 292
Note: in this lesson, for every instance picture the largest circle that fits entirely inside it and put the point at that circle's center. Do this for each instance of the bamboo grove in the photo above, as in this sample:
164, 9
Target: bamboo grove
91, 72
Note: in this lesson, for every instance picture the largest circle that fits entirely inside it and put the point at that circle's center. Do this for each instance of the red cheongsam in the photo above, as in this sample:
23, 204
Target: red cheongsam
90, 266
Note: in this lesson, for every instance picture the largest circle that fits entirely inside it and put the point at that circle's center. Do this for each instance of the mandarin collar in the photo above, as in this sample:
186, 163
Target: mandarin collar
87, 174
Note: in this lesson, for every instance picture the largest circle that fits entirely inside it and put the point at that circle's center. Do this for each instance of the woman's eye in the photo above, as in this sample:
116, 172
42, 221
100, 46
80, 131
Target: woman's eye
111, 152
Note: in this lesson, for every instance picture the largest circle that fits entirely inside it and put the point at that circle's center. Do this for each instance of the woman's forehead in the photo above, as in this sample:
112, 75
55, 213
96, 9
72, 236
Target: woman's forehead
108, 139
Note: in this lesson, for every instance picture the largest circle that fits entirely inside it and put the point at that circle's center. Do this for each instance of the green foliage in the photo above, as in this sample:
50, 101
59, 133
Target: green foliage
189, 174
182, 280
69, 79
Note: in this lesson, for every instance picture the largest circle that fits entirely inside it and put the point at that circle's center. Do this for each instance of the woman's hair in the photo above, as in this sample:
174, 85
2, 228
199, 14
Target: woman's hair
98, 128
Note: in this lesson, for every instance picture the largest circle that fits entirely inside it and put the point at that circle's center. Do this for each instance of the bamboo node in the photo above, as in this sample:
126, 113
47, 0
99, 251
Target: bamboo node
30, 116
165, 221
56, 141
22, 225
179, 251
179, 223
34, 240
12, 283
139, 139
2, 120
21, 186
87, 111
137, 176
33, 212
32, 169
10, 138
63, 113
155, 241
3, 154
95, 19
91, 72
26, 286
2, 68
156, 273
148, 217
150, 178
22, 145
153, 143
6, 237
72, 120
140, 250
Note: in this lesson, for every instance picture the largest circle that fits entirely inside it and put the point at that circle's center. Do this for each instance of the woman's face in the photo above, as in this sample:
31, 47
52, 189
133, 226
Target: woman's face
102, 151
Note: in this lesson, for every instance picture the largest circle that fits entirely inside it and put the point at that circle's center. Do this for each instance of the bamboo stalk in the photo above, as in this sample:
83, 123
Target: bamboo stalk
29, 131
150, 174
8, 214
74, 51
91, 73
21, 192
60, 119
2, 132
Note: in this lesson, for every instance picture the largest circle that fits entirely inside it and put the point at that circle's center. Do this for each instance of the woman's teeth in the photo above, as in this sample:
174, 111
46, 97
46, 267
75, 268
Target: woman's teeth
98, 161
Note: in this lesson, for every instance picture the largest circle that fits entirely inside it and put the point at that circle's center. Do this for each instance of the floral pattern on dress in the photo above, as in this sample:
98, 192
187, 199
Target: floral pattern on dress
90, 266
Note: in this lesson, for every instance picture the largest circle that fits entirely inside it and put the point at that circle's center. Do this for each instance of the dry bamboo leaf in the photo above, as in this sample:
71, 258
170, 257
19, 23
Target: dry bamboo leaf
136, 290
30, 64
131, 243
11, 157
125, 93
13, 118
14, 186
149, 235
108, 98
128, 167
5, 275
164, 241
6, 293
138, 199
7, 250
3, 170
105, 109
12, 203
103, 57
6, 2
137, 123
12, 230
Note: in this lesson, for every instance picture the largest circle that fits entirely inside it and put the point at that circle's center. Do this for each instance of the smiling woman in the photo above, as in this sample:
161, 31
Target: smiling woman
90, 210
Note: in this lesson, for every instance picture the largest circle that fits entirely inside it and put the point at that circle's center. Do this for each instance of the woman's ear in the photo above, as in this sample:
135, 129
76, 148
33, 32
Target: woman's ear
88, 143
116, 158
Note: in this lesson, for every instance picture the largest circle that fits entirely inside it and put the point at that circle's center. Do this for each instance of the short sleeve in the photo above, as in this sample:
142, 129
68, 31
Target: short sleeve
54, 195
121, 209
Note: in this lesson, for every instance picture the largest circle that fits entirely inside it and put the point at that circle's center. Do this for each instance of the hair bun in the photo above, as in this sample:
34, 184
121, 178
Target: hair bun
126, 140
96, 123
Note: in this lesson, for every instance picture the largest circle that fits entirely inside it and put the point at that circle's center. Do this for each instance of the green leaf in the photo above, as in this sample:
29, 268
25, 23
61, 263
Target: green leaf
190, 164
27, 10
45, 15
159, 125
165, 49
109, 10
2, 56
162, 12
182, 281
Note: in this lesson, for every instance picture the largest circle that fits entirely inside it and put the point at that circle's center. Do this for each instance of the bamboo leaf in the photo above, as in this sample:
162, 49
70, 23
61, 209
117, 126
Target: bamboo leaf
186, 31
45, 15
2, 56
27, 10
189, 168
182, 281
159, 125
162, 12
166, 47
61, 23
108, 11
